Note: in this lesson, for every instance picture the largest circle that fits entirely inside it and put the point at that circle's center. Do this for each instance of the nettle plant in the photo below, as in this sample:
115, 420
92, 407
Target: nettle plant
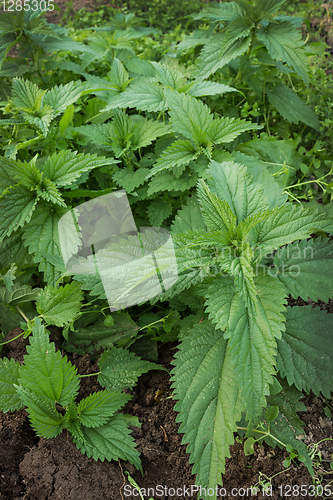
260, 51
47, 385
242, 249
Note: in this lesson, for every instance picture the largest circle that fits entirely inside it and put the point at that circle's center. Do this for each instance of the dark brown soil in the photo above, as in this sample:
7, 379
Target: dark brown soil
34, 468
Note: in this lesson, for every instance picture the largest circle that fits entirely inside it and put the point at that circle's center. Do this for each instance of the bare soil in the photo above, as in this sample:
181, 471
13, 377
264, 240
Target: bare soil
34, 468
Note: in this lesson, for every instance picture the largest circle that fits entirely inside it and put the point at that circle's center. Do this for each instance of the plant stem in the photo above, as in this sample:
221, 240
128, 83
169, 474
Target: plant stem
90, 374
22, 314
268, 434
11, 340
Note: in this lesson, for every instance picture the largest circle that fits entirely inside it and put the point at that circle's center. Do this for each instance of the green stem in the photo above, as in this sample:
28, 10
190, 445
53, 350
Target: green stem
87, 193
22, 314
11, 340
90, 374
266, 434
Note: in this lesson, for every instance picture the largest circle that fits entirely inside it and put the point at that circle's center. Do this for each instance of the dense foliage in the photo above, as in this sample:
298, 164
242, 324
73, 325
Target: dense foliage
221, 141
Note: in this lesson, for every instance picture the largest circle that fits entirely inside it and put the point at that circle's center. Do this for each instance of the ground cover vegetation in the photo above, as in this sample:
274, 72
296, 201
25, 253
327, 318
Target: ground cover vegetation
218, 137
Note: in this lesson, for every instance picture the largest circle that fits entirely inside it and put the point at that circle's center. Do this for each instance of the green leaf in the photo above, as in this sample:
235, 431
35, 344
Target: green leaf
288, 427
284, 43
276, 154
170, 77
129, 179
17, 205
121, 368
224, 130
42, 238
9, 23
187, 114
9, 320
203, 88
178, 154
42, 120
101, 134
189, 218
188, 258
44, 418
231, 183
252, 337
142, 94
26, 95
217, 214
159, 210
271, 413
9, 373
291, 107
205, 387
219, 52
48, 191
304, 350
65, 167
118, 74
7, 169
286, 225
272, 192
59, 306
67, 119
26, 174
124, 328
146, 131
111, 441
61, 96
248, 446
20, 294
220, 11
305, 268
167, 181
288, 403
45, 372
96, 409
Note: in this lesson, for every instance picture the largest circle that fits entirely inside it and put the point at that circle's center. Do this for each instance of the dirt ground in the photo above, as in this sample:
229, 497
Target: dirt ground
34, 468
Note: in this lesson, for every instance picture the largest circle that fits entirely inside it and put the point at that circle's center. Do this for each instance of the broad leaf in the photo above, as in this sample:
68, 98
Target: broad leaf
179, 153
224, 130
188, 113
17, 205
230, 182
205, 387
304, 351
45, 372
42, 238
285, 44
129, 179
142, 94
44, 418
158, 211
286, 225
305, 268
189, 218
65, 167
97, 408
111, 441
219, 52
59, 306
121, 368
9, 373
291, 107
288, 427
